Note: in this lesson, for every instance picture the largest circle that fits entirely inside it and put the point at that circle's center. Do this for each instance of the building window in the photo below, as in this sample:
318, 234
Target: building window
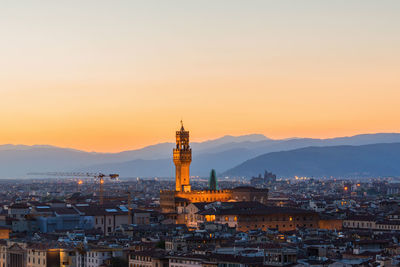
210, 218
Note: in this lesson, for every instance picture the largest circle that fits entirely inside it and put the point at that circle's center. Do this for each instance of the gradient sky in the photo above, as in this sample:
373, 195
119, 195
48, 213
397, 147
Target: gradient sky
116, 75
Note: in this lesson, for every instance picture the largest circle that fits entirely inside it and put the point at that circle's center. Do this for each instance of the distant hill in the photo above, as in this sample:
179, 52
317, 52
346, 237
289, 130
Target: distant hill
156, 160
18, 160
201, 165
225, 156
338, 161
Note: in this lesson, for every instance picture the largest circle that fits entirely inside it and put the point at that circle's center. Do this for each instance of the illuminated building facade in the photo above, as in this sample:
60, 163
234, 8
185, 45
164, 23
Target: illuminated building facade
250, 215
175, 201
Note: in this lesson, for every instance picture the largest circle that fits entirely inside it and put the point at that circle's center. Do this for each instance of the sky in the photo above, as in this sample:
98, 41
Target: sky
114, 75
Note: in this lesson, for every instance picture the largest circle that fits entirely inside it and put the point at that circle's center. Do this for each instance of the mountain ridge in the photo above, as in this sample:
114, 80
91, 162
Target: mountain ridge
221, 154
339, 161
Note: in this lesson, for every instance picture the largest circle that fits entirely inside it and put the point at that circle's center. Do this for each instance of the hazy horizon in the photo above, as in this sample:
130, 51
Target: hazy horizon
195, 141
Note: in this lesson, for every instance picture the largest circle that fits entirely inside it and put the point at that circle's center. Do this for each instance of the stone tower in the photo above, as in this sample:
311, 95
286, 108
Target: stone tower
182, 160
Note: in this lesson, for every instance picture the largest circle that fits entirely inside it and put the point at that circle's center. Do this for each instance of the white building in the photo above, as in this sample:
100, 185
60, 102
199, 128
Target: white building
94, 257
36, 257
177, 261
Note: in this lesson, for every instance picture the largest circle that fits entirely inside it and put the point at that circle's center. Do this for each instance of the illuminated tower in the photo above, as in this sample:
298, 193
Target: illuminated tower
182, 160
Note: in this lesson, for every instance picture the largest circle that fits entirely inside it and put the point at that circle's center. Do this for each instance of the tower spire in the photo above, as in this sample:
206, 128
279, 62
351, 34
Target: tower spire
182, 128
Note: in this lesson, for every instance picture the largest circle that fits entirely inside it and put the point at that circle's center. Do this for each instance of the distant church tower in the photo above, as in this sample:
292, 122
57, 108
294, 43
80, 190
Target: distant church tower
182, 160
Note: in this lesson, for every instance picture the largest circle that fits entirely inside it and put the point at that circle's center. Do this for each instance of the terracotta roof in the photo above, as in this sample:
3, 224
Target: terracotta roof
249, 208
65, 211
19, 206
99, 210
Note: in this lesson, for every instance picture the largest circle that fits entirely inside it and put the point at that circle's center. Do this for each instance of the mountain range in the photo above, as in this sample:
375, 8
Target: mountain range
338, 161
226, 154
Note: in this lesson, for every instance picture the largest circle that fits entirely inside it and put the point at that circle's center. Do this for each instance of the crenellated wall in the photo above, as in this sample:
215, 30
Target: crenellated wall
206, 195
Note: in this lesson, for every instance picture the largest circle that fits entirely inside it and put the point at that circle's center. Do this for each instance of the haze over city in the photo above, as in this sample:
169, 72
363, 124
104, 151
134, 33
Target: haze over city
112, 76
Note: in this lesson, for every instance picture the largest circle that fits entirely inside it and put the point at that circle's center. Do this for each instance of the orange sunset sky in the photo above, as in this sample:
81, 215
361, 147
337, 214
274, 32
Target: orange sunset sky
115, 75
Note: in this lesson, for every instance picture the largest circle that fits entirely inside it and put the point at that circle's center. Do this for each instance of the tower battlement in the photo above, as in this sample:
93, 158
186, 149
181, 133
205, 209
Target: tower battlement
182, 157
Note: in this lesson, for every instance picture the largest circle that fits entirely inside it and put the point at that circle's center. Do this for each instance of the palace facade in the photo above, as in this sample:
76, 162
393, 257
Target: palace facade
183, 195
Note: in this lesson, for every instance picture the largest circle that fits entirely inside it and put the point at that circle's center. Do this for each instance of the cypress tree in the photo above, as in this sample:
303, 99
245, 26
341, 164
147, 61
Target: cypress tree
212, 183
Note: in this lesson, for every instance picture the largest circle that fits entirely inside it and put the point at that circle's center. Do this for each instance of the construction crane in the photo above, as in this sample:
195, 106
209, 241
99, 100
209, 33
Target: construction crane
99, 176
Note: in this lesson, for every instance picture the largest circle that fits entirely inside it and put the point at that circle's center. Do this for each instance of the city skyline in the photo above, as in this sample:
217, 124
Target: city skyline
199, 133
109, 77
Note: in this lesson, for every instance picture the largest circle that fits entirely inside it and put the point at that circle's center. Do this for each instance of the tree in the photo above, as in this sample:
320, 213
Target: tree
212, 183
